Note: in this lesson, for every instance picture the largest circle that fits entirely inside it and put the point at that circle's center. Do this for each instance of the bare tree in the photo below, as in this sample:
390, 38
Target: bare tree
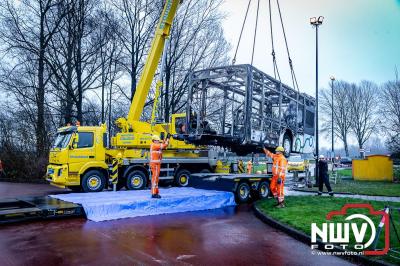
341, 111
363, 104
110, 54
74, 56
138, 19
27, 27
390, 108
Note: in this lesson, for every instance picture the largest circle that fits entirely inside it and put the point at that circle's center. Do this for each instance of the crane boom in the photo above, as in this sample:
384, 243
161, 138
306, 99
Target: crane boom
162, 32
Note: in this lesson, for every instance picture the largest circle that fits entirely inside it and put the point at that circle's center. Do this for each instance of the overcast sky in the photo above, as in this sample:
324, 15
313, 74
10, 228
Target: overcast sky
359, 39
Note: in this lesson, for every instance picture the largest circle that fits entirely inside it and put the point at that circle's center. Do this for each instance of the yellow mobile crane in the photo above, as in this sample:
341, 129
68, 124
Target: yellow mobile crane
81, 160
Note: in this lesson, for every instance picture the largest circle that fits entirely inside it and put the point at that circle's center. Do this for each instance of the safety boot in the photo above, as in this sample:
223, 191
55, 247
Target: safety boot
156, 196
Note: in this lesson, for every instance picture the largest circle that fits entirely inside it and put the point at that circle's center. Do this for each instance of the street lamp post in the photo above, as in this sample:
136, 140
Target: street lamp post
316, 22
333, 131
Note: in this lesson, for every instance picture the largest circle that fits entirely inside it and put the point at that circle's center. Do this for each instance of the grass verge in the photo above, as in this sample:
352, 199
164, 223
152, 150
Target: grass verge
345, 172
302, 211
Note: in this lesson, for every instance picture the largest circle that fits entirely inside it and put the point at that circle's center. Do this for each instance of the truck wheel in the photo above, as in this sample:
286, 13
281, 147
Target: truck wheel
93, 181
182, 178
263, 190
287, 144
136, 180
243, 193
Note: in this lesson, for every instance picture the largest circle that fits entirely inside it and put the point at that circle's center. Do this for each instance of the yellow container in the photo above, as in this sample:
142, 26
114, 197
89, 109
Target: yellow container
373, 168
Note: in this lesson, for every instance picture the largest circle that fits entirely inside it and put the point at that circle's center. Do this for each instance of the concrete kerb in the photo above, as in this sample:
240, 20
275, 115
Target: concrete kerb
298, 235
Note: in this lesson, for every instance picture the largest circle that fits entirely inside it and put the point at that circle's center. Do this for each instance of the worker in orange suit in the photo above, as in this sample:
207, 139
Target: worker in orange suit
249, 167
156, 148
279, 164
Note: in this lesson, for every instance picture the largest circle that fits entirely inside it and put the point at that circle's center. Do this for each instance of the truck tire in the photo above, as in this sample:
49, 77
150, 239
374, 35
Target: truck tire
182, 178
136, 180
263, 190
93, 181
243, 193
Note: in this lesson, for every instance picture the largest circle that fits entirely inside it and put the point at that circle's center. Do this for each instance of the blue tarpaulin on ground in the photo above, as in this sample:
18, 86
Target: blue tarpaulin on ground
110, 205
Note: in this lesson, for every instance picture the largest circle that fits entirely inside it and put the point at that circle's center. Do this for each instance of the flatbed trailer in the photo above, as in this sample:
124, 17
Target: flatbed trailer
37, 208
246, 187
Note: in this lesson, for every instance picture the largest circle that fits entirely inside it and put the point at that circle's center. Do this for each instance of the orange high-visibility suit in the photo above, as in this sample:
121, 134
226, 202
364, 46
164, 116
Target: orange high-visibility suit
155, 164
279, 164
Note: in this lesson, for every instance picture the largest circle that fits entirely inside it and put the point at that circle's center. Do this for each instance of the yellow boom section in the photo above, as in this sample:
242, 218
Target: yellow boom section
157, 46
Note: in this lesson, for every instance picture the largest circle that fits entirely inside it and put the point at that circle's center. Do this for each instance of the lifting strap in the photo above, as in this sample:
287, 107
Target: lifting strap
294, 80
255, 32
241, 33
275, 65
274, 61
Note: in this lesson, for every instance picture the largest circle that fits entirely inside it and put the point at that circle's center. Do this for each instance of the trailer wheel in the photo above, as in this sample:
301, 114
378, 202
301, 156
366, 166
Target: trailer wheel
243, 193
182, 178
136, 180
93, 181
263, 190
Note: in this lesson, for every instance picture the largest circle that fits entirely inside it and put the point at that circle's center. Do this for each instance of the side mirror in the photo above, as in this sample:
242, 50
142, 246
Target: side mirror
75, 140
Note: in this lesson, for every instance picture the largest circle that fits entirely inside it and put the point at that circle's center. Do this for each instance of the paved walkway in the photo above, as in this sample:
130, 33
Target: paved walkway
228, 236
289, 192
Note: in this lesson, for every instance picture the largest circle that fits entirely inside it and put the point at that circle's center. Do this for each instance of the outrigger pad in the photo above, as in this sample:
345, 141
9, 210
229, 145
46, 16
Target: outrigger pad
111, 205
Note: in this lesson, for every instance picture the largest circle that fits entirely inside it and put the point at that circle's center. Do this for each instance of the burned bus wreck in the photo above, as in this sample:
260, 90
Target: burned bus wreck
241, 108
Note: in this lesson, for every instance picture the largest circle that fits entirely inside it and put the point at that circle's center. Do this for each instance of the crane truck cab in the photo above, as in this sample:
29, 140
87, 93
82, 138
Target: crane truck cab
77, 158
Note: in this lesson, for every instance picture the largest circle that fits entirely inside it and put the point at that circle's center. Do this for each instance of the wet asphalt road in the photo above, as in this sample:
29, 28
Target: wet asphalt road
230, 236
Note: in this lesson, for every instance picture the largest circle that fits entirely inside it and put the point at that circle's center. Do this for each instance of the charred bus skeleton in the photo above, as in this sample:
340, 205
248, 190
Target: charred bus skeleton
241, 108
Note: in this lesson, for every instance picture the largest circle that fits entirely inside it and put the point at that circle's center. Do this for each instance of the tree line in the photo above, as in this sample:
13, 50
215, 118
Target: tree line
63, 61
361, 110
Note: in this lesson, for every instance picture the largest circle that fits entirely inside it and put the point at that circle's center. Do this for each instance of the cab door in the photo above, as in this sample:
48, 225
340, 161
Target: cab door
82, 152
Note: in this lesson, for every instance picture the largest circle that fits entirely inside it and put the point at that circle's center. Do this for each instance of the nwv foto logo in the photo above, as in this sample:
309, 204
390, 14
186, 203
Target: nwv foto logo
355, 225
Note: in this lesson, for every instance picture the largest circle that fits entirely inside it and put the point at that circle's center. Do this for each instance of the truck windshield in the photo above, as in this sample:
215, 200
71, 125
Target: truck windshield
62, 140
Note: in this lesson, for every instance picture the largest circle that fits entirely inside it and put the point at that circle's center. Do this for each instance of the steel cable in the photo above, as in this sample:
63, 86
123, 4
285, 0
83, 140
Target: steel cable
241, 33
